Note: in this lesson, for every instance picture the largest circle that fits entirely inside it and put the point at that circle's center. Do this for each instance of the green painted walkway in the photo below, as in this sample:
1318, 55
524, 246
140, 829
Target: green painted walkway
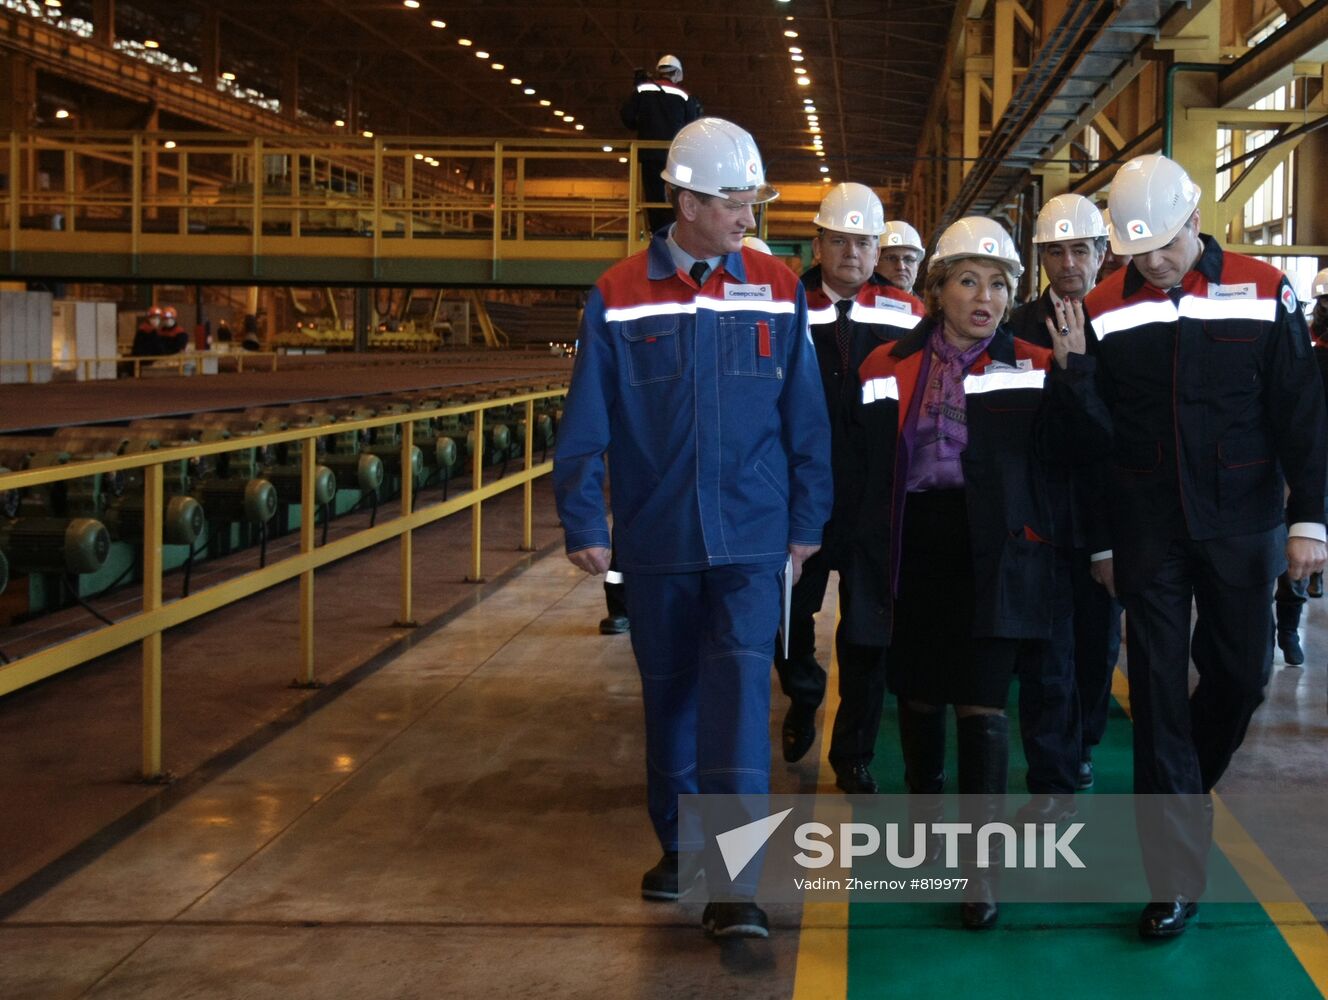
1077, 951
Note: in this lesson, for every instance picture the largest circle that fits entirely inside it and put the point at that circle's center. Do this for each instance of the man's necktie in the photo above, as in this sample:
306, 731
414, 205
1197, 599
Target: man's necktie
698, 272
842, 331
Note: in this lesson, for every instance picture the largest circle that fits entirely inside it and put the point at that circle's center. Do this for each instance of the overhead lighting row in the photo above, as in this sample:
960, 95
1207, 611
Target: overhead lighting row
516, 81
800, 74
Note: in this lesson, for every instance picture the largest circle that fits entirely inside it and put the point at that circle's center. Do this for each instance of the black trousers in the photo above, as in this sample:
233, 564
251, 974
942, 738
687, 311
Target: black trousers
1097, 641
1182, 742
1049, 720
652, 185
861, 670
1290, 597
615, 599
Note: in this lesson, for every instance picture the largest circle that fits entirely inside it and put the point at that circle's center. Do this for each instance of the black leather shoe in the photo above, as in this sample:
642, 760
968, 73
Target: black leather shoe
1084, 780
979, 911
661, 882
1167, 920
979, 916
799, 731
855, 779
615, 625
1043, 808
735, 919
1288, 641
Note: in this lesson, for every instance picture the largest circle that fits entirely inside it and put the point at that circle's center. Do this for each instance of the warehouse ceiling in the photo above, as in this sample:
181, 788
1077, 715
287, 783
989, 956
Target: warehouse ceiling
873, 66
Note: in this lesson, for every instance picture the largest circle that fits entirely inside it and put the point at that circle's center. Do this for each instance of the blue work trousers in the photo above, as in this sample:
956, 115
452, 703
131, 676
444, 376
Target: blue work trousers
703, 643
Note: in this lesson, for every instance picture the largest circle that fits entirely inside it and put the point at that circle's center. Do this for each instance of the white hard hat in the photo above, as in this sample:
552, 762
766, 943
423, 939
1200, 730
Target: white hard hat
1151, 198
851, 208
667, 63
978, 236
714, 156
1320, 285
757, 244
1068, 217
901, 234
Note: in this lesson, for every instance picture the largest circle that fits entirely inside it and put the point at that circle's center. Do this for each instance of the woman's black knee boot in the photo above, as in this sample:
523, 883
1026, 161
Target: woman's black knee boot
984, 766
922, 738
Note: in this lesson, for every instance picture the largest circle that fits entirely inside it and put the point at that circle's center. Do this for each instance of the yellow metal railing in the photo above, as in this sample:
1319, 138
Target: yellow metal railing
156, 616
387, 189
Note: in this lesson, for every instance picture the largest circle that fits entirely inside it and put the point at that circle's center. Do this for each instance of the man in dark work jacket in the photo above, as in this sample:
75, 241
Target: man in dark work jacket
1204, 363
851, 311
1064, 694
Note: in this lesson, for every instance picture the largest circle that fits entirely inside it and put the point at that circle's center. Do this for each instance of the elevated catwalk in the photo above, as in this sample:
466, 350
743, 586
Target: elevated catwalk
298, 379
467, 820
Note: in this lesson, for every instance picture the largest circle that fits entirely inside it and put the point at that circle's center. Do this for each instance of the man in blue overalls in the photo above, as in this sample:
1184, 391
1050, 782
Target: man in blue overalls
697, 376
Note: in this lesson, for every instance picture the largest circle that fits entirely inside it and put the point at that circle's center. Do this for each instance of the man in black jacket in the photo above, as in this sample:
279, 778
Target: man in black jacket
851, 311
1064, 694
1204, 363
657, 109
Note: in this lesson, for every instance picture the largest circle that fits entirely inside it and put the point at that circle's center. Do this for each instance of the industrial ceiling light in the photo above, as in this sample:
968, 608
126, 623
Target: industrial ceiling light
340, 123
580, 127
498, 66
228, 76
622, 159
607, 149
529, 91
61, 113
149, 43
804, 81
169, 144
412, 4
794, 50
515, 81
367, 134
438, 24
481, 54
790, 33
545, 104
465, 42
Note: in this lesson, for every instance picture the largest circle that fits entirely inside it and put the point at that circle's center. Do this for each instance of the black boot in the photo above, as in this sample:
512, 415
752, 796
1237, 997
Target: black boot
984, 767
922, 738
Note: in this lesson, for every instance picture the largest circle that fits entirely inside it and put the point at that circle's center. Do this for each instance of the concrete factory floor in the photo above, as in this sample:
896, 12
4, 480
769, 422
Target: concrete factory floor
467, 819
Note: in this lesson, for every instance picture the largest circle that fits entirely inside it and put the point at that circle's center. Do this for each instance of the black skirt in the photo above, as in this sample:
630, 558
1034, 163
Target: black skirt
934, 657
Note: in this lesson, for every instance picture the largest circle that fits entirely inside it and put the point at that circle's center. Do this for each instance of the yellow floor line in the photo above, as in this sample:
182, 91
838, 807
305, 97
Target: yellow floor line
1303, 933
822, 972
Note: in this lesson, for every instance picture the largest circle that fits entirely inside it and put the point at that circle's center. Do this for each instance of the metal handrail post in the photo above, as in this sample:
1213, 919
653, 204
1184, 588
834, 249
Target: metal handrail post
476, 512
308, 456
407, 618
528, 499
153, 499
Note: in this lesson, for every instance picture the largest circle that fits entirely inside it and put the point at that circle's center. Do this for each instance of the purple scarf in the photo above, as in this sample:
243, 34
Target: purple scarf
944, 394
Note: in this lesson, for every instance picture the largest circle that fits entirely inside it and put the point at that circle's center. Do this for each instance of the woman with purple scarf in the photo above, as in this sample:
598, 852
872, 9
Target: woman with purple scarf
953, 560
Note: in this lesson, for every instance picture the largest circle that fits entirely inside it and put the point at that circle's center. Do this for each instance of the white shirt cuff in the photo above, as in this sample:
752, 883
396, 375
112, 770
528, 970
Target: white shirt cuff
1308, 529
1099, 556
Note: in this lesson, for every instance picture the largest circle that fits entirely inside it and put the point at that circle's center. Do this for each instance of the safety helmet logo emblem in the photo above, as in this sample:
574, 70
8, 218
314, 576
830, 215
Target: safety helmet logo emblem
987, 245
1288, 298
1138, 229
853, 219
1063, 227
893, 240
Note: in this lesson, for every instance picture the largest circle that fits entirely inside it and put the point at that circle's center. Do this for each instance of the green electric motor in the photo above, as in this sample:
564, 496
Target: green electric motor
55, 544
